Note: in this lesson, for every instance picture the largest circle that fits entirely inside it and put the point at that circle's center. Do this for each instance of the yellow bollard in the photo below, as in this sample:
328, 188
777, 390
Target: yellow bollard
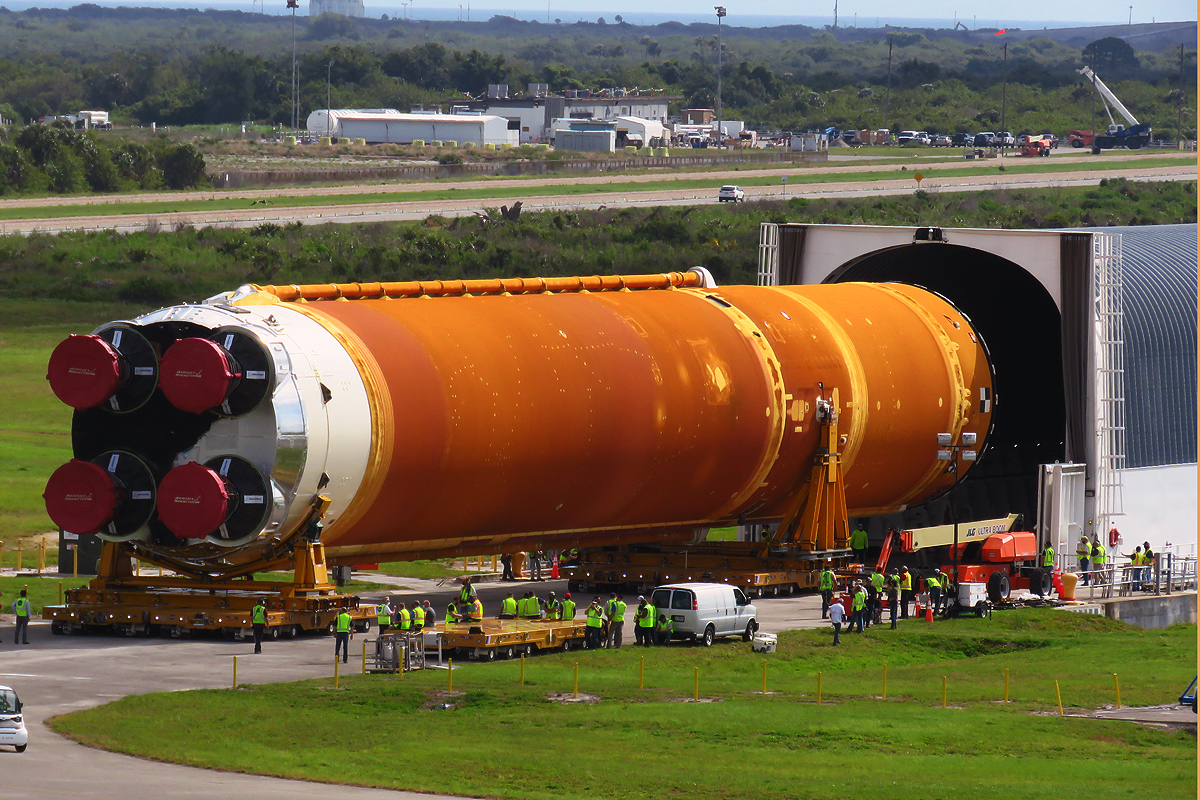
335, 671
41, 556
450, 676
764, 676
493, 563
60, 593
1117, 687
1058, 697
696, 686
577, 679
885, 681
1006, 684
235, 672
818, 688
943, 691
364, 672
19, 553
522, 669
75, 552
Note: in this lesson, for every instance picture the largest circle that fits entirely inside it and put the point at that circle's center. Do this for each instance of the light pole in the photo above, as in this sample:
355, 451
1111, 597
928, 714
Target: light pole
951, 452
720, 132
1004, 98
328, 94
293, 5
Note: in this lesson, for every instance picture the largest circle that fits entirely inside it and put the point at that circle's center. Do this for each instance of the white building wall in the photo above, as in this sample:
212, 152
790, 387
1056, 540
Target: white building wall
347, 8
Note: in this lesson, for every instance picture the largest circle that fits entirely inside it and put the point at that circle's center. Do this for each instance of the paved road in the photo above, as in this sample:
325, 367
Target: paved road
416, 210
59, 674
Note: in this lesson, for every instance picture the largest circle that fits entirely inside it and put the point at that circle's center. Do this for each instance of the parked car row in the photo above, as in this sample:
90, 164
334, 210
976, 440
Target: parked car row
982, 139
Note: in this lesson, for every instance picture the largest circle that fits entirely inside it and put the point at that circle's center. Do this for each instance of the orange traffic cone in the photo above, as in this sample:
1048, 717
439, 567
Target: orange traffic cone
1058, 585
918, 600
929, 613
554, 568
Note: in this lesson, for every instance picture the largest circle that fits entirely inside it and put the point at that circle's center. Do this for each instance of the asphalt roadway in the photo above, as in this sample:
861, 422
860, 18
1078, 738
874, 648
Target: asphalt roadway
59, 674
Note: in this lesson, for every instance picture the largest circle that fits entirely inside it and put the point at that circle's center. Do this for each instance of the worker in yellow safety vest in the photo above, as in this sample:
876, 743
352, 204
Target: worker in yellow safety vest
475, 611
405, 618
343, 631
595, 621
258, 619
568, 607
1099, 557
451, 613
826, 588
616, 620
644, 618
508, 607
905, 591
418, 616
859, 605
663, 630
383, 616
21, 610
467, 593
553, 607
934, 584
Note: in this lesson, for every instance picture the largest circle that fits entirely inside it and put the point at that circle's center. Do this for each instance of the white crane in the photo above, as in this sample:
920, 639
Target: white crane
1134, 136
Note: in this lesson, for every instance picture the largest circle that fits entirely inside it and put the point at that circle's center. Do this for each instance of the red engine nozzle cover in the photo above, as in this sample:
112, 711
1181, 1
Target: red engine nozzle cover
84, 371
193, 501
80, 497
196, 375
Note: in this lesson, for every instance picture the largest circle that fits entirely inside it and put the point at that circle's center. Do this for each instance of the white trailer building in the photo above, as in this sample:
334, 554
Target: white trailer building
379, 125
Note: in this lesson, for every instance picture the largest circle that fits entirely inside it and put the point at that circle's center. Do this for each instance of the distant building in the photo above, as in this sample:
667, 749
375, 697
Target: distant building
347, 8
379, 125
533, 115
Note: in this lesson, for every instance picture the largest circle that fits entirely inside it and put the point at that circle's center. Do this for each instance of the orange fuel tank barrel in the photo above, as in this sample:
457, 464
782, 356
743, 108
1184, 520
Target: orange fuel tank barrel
490, 416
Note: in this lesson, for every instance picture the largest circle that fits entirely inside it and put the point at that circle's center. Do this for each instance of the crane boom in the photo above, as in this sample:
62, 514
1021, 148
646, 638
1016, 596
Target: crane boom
1108, 97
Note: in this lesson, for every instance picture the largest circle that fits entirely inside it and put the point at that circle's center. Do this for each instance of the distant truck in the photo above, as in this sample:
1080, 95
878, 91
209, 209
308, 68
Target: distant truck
84, 120
1078, 138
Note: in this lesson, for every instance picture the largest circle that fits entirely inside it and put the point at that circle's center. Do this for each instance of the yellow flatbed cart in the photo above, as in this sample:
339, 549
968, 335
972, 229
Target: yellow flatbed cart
509, 638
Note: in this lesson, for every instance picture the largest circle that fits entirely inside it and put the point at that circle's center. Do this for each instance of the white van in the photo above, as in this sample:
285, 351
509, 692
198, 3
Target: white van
12, 723
706, 611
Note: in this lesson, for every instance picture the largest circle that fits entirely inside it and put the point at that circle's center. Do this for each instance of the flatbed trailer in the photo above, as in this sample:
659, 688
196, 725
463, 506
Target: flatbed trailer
509, 638
180, 610
754, 567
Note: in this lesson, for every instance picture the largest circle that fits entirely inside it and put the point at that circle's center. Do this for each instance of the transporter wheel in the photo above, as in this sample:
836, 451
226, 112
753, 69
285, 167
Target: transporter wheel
998, 587
981, 609
710, 636
751, 629
331, 627
789, 589
491, 654
21, 748
56, 628
568, 645
774, 590
229, 634
273, 633
507, 653
291, 631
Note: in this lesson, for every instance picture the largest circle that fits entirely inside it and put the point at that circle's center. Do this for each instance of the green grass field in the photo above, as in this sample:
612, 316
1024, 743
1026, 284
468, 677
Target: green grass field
42, 591
500, 739
169, 206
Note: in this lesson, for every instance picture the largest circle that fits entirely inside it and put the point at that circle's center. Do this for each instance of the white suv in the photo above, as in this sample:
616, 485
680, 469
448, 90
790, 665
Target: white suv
706, 611
731, 193
12, 723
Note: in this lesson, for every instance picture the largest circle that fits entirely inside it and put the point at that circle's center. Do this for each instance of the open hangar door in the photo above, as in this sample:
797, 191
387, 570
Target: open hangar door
1030, 294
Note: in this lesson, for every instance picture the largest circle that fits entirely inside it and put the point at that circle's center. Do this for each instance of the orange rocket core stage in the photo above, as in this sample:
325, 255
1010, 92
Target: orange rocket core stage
552, 413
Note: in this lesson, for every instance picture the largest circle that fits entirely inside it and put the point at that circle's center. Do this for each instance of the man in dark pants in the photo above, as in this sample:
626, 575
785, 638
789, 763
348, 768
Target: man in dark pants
858, 543
837, 615
893, 595
506, 561
21, 609
258, 618
906, 590
343, 632
827, 585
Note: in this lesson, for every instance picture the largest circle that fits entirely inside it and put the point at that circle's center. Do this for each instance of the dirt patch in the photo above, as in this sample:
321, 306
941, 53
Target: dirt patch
440, 700
570, 697
694, 700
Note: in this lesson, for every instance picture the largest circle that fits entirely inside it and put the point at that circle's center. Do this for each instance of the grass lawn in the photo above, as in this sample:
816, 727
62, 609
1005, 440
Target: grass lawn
168, 206
350, 587
42, 591
423, 570
500, 739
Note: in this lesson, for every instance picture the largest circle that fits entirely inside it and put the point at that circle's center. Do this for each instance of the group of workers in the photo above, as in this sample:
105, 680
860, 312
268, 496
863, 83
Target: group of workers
1093, 560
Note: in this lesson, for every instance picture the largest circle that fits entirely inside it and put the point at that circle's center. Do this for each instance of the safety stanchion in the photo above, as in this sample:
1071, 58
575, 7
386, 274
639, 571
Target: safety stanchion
885, 681
577, 679
235, 672
450, 676
943, 691
696, 686
364, 672
522, 669
764, 681
1058, 698
641, 672
1006, 684
336, 671
818, 688
1117, 689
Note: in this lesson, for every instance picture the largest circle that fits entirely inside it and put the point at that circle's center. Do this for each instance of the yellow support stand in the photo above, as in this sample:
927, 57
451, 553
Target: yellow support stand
885, 681
1117, 688
577, 679
336, 670
817, 516
1058, 698
235, 672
